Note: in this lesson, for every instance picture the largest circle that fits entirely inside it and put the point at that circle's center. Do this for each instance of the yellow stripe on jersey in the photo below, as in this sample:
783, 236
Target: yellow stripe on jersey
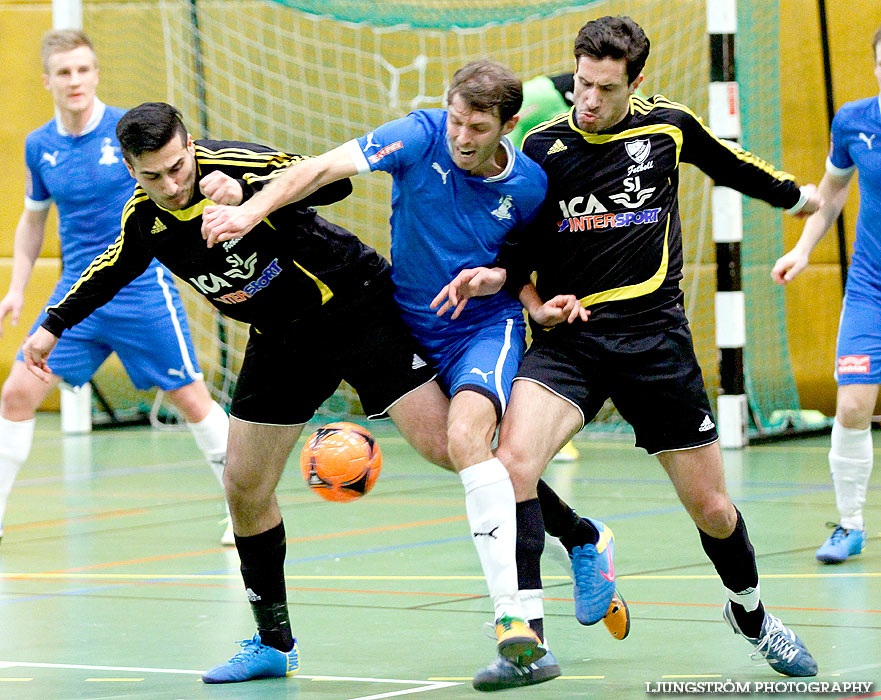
241, 156
550, 122
632, 291
190, 213
326, 294
646, 106
674, 132
109, 256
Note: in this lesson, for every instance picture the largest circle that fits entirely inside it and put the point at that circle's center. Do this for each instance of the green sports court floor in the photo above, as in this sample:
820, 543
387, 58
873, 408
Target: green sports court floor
113, 583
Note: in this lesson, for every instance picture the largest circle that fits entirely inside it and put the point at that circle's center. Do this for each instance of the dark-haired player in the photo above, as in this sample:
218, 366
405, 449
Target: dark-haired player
306, 287
610, 234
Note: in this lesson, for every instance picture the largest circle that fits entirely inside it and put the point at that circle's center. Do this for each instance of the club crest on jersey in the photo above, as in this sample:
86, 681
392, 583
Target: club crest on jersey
503, 211
108, 153
638, 150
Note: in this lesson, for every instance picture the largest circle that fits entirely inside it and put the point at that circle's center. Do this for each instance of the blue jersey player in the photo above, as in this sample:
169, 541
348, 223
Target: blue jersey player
74, 161
459, 188
856, 145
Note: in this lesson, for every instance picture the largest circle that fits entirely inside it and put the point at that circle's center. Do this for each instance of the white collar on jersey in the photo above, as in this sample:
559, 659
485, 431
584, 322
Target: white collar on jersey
94, 120
510, 151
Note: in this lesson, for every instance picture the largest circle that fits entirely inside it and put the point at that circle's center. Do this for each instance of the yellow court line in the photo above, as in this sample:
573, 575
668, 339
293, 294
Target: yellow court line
15, 680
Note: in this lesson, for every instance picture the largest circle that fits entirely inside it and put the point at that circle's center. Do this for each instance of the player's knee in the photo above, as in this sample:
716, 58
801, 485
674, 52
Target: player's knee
192, 400
244, 487
19, 399
464, 441
716, 515
853, 413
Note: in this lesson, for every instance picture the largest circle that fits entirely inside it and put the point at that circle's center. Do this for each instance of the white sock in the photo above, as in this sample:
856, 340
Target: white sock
749, 598
532, 601
210, 434
491, 509
15, 446
556, 552
850, 462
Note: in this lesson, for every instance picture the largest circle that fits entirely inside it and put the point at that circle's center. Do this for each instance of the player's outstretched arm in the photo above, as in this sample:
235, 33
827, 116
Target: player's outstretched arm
28, 241
471, 282
832, 193
299, 180
36, 350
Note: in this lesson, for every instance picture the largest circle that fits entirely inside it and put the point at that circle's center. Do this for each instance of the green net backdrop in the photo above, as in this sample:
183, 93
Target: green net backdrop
306, 76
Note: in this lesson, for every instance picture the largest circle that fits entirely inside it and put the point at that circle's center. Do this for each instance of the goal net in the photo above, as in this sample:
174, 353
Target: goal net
307, 75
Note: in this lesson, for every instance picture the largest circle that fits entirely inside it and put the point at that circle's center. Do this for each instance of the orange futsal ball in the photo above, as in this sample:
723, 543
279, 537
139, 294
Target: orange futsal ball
341, 461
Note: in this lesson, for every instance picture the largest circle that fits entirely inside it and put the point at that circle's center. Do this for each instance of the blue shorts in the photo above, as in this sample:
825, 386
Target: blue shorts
485, 360
144, 324
858, 354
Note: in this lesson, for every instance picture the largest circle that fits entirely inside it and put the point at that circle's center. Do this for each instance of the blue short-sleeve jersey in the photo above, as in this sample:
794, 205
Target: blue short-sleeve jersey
86, 178
444, 219
856, 143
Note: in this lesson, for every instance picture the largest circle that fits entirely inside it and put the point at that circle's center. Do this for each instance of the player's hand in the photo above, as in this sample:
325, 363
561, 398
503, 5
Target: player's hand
788, 266
223, 223
10, 306
563, 308
472, 282
36, 351
814, 202
221, 188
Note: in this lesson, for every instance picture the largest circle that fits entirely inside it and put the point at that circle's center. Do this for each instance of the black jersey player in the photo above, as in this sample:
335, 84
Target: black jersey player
610, 234
306, 287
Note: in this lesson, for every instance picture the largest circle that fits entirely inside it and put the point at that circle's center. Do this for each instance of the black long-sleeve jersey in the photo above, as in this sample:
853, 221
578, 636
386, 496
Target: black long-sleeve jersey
610, 231
288, 266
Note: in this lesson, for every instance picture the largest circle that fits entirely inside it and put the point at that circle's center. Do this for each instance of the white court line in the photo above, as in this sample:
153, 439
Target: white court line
423, 685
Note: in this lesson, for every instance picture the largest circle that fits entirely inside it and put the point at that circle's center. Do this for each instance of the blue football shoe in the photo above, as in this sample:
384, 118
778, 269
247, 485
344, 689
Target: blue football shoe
594, 571
778, 645
842, 543
255, 660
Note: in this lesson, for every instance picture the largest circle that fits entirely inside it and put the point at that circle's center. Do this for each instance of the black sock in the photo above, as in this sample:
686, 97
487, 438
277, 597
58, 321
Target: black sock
563, 522
262, 558
530, 544
735, 562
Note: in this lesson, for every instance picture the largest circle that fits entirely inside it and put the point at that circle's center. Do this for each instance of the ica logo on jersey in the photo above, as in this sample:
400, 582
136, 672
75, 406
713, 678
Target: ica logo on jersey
579, 215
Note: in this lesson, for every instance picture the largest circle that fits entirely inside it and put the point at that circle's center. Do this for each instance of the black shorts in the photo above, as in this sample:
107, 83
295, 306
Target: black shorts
654, 381
287, 374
